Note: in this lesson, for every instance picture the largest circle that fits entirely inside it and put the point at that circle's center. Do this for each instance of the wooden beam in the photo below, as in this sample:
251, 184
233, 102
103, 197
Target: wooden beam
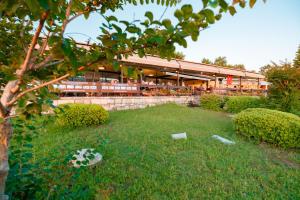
215, 81
177, 78
121, 75
240, 84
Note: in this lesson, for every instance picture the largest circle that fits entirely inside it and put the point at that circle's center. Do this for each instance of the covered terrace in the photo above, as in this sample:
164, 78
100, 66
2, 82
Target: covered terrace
156, 76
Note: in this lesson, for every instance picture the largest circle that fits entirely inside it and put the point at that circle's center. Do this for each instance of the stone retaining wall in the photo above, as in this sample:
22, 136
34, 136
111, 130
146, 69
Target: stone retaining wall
123, 103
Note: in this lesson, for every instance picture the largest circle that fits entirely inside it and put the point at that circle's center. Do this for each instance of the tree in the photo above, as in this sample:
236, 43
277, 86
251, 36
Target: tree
179, 55
237, 66
221, 61
296, 62
175, 54
206, 61
264, 69
284, 91
30, 67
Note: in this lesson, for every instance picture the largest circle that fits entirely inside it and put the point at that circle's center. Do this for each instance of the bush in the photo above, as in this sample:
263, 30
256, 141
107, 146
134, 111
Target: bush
236, 104
212, 102
77, 115
271, 126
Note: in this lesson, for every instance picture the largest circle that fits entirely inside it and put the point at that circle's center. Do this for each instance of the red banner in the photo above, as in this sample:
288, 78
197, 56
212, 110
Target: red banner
229, 79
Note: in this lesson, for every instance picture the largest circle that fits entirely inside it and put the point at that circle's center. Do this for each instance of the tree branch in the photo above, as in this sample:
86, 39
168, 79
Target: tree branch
46, 64
45, 43
41, 64
66, 21
23, 68
15, 99
81, 13
75, 16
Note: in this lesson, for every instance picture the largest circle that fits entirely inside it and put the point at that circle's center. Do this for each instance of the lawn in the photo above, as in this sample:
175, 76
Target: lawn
141, 161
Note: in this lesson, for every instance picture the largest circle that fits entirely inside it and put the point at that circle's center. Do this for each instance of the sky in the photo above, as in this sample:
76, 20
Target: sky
254, 37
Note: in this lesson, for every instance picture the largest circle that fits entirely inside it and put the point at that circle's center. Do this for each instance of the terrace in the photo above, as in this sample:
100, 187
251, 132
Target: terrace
160, 77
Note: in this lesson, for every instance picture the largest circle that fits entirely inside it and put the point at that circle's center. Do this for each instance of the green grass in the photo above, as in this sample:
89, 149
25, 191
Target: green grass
141, 161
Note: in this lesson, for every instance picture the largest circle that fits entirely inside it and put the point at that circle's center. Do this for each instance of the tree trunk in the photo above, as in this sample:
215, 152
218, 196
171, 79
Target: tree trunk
5, 133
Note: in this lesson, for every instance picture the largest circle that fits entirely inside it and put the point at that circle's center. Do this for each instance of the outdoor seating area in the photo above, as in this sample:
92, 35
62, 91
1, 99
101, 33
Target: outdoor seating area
160, 77
71, 88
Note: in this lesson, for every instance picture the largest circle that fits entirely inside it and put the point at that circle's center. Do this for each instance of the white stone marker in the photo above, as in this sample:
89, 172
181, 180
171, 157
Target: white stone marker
224, 140
179, 136
83, 154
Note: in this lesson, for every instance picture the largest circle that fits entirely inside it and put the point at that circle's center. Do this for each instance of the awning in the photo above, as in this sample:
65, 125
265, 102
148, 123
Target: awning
187, 76
184, 65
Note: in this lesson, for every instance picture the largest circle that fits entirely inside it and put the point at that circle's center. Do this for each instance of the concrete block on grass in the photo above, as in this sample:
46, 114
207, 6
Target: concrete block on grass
178, 136
223, 140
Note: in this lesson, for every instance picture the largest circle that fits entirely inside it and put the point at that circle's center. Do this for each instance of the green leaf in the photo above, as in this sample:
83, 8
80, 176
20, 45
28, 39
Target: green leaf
194, 37
167, 23
111, 18
184, 43
126, 23
44, 4
33, 7
223, 4
156, 39
116, 66
218, 16
130, 71
205, 2
242, 4
178, 14
252, 3
86, 15
209, 14
214, 3
232, 10
133, 29
141, 53
66, 46
67, 50
187, 9
149, 15
118, 29
109, 54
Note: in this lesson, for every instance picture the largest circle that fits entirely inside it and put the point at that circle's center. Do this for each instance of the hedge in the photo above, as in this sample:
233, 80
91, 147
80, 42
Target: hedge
78, 115
236, 104
272, 126
212, 102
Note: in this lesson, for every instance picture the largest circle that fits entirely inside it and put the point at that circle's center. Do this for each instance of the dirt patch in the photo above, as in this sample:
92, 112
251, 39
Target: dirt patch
280, 155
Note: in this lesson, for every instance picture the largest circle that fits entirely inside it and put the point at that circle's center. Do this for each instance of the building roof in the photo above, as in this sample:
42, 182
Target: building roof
188, 66
184, 65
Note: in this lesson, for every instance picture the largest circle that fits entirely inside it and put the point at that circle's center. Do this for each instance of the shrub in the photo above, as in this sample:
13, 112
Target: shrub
22, 181
77, 115
212, 102
271, 126
236, 104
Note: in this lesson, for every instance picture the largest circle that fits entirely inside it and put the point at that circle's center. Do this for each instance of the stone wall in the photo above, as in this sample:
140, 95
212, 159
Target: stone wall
123, 103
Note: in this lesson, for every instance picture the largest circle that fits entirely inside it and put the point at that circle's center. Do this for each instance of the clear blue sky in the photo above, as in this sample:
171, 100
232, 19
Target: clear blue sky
253, 37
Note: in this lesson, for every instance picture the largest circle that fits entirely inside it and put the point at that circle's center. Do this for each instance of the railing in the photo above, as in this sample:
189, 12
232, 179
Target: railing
99, 89
95, 88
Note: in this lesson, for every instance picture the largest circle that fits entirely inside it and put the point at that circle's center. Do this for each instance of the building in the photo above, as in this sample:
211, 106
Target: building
153, 76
